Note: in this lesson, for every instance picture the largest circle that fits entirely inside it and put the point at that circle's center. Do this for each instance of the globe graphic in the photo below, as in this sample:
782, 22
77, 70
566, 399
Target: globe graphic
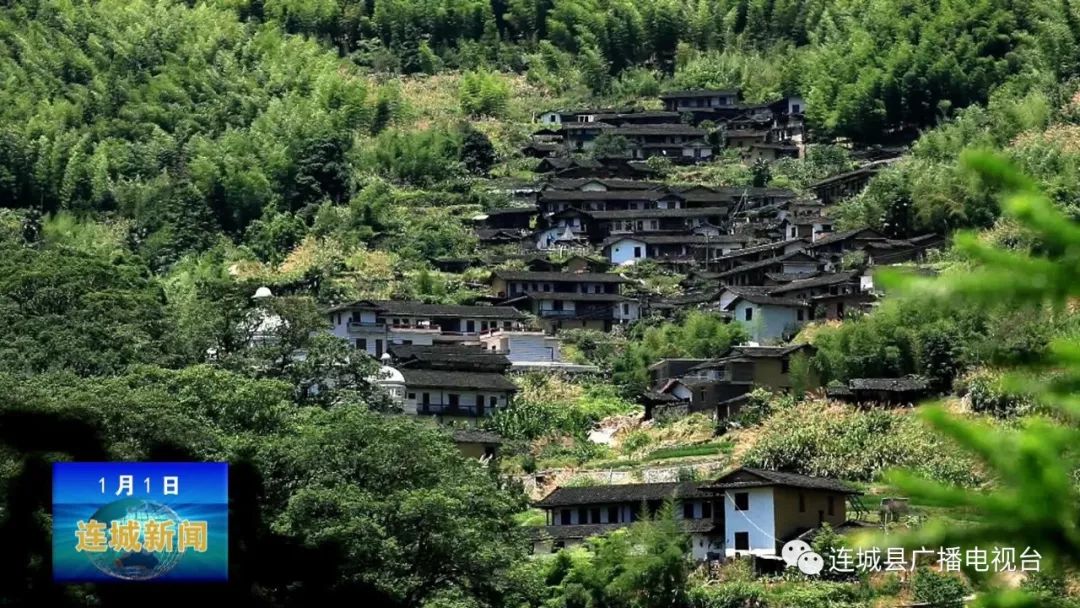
135, 565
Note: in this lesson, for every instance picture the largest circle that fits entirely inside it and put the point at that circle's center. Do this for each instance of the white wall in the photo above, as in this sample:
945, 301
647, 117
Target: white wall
767, 323
414, 398
622, 251
759, 521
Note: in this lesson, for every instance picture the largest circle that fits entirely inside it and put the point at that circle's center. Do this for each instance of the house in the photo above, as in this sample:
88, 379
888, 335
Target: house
564, 300
374, 325
902, 250
763, 509
665, 369
530, 351
542, 149
461, 397
742, 139
507, 218
805, 227
771, 151
576, 513
678, 142
581, 136
715, 385
831, 295
839, 187
627, 249
472, 443
756, 253
795, 264
640, 117
770, 319
474, 358
667, 219
832, 247
569, 166
887, 391
703, 104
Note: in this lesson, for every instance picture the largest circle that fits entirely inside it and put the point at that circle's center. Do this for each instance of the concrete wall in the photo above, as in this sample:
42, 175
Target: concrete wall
768, 323
759, 521
622, 252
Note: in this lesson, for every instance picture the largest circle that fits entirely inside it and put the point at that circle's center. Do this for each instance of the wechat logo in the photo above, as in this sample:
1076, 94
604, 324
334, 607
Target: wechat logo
797, 553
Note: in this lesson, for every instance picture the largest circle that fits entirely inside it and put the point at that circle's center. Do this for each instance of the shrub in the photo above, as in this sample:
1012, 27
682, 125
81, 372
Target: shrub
937, 588
829, 440
983, 388
483, 93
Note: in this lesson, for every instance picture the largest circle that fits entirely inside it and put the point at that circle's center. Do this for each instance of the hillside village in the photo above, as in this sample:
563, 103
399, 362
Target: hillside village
764, 258
544, 303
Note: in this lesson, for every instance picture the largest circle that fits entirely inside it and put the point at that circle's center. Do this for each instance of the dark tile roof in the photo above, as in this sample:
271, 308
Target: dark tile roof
745, 133
456, 379
738, 253
632, 492
675, 239
584, 126
442, 354
907, 383
558, 277
868, 169
662, 129
600, 195
573, 183
843, 236
511, 211
697, 93
746, 477
764, 263
575, 296
646, 213
832, 278
557, 163
787, 277
768, 301
420, 309
475, 436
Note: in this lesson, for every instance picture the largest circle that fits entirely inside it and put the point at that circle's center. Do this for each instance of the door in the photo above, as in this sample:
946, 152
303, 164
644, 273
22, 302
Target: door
452, 401
479, 405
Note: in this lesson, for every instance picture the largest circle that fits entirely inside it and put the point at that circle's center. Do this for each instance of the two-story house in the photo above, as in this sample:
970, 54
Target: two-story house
576, 513
373, 325
564, 300
676, 142
763, 509
459, 384
703, 104
769, 319
796, 264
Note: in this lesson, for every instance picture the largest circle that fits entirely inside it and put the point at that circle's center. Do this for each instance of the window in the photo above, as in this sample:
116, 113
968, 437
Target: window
742, 501
832, 505
426, 398
625, 309
706, 510
556, 304
493, 401
688, 510
749, 314
613, 515
742, 541
470, 326
378, 347
412, 395
802, 502
637, 252
361, 344
785, 364
564, 517
453, 399
594, 515
582, 515
799, 314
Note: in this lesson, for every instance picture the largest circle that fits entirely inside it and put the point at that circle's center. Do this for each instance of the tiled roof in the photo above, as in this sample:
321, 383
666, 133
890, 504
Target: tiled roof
572, 277
441, 354
573, 183
419, 309
842, 236
575, 296
600, 195
697, 93
818, 281
738, 253
456, 379
746, 477
661, 129
632, 492
763, 263
768, 301
582, 531
646, 213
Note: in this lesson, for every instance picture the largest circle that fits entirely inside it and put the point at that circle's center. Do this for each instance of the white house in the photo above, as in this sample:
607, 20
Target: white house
765, 509
769, 319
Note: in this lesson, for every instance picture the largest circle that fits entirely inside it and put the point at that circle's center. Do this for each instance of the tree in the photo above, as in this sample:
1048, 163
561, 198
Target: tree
477, 152
610, 145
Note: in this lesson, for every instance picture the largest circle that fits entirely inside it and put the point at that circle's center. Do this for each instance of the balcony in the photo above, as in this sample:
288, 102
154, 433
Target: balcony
365, 326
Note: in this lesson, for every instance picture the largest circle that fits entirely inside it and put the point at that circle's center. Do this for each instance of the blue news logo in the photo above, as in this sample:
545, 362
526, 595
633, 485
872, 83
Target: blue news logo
146, 521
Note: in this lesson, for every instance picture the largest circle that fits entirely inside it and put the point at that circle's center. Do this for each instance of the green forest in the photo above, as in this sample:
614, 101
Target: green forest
160, 160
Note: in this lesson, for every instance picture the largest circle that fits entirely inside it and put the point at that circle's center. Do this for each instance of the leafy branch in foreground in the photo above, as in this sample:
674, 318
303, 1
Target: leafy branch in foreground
1034, 501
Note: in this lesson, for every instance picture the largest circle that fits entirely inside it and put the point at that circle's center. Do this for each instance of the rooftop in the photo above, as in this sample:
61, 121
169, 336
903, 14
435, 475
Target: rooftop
647, 213
818, 281
632, 492
698, 93
746, 477
419, 309
558, 277
768, 301
475, 436
456, 379
907, 383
